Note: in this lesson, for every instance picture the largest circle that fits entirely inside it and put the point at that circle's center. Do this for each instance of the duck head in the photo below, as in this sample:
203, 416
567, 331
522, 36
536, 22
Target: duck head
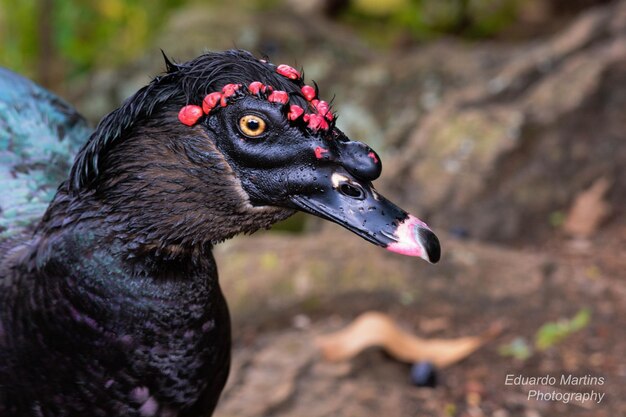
275, 143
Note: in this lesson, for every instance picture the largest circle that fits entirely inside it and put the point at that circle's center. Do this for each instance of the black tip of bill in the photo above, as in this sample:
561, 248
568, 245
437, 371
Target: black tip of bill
414, 238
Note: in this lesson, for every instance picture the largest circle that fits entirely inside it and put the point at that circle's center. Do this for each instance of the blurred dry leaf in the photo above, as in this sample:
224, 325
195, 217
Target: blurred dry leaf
377, 329
588, 210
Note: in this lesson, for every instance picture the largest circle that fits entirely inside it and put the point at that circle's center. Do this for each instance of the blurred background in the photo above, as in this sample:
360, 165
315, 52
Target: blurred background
500, 122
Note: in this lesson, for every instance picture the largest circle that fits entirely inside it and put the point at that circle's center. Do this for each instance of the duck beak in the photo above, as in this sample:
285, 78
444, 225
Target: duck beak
362, 210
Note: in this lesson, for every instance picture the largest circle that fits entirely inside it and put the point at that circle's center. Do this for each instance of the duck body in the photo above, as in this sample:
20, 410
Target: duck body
87, 338
92, 327
110, 304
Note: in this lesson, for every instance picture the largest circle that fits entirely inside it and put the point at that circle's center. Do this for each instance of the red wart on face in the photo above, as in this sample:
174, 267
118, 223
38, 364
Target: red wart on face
319, 152
316, 121
210, 101
308, 92
256, 87
278, 97
190, 114
287, 71
227, 91
323, 109
295, 111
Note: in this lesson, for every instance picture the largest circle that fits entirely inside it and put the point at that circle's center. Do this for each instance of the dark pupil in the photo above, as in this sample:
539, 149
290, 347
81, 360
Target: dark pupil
253, 124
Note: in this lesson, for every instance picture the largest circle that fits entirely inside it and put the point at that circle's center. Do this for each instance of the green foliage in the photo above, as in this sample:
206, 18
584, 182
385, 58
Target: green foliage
450, 410
518, 349
548, 335
70, 37
18, 33
385, 19
82, 33
557, 218
552, 333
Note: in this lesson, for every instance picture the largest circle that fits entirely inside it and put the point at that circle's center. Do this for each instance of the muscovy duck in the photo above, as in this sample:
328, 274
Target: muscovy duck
110, 305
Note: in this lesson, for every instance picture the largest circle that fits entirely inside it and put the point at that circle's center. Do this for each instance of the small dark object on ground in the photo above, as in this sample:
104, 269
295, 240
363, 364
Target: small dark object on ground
424, 374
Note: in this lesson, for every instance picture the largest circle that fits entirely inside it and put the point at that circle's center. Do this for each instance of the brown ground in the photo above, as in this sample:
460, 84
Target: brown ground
286, 290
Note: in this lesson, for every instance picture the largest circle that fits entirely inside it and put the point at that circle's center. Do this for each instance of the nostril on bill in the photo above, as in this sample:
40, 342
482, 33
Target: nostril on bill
351, 191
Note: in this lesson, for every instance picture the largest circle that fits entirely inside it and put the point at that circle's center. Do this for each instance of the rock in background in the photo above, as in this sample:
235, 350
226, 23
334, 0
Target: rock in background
499, 157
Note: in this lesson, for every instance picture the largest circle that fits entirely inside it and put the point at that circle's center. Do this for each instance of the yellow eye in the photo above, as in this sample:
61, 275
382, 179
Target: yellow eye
251, 125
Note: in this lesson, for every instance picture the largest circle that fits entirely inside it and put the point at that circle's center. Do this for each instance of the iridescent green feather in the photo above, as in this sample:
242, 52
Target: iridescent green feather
39, 136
